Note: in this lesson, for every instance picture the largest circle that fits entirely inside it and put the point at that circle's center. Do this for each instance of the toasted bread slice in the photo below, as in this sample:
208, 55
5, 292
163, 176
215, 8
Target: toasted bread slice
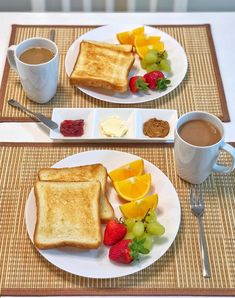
103, 65
83, 173
116, 47
67, 214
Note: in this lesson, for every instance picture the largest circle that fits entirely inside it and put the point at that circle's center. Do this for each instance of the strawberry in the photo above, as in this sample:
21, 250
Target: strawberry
156, 80
114, 232
137, 83
127, 250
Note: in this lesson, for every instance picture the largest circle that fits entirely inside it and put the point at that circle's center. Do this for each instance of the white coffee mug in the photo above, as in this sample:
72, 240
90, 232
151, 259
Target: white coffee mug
39, 81
195, 163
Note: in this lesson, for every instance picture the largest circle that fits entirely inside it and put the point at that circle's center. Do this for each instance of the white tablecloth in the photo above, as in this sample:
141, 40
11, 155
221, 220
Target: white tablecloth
222, 25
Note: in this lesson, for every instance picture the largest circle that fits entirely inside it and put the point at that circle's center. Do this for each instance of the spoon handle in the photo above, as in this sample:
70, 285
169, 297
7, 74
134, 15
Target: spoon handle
16, 104
52, 35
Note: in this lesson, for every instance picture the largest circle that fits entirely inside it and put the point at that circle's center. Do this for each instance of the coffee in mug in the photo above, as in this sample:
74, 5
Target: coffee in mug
36, 56
199, 133
199, 138
36, 61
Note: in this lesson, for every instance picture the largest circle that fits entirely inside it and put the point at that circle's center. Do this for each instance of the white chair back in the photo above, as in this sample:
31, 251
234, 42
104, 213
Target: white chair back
178, 5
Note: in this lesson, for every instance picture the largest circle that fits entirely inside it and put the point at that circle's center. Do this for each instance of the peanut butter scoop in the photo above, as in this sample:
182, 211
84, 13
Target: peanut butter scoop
155, 128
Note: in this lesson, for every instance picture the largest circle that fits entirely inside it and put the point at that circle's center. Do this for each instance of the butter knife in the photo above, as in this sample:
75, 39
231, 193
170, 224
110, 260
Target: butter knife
46, 121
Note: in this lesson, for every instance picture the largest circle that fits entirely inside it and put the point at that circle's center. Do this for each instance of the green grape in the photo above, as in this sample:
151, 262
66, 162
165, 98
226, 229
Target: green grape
143, 64
148, 243
148, 240
145, 223
129, 223
152, 67
158, 60
165, 65
163, 55
154, 52
155, 228
151, 217
150, 58
129, 235
138, 229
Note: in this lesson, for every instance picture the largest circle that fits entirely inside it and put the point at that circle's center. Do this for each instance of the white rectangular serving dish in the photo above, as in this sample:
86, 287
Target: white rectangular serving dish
133, 118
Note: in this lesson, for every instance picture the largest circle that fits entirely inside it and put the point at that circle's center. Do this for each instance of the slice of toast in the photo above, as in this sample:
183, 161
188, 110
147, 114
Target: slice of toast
83, 173
67, 214
103, 65
116, 47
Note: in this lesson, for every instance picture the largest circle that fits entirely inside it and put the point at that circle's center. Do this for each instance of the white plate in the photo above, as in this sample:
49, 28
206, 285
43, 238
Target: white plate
95, 263
133, 118
176, 55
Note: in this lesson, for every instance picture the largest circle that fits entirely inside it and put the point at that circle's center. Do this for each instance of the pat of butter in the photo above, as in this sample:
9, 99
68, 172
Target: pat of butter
113, 126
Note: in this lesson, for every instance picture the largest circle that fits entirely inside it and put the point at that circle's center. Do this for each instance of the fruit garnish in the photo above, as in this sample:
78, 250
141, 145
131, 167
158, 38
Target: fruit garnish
143, 44
155, 228
162, 84
152, 77
133, 188
155, 60
165, 65
134, 168
128, 37
127, 250
145, 40
156, 80
138, 208
114, 232
137, 83
146, 228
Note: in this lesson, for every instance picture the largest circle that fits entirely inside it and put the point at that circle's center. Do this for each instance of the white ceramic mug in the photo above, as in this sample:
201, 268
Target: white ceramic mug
195, 163
39, 81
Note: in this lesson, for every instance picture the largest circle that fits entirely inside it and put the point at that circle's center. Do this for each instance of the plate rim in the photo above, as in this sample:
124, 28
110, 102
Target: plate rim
57, 165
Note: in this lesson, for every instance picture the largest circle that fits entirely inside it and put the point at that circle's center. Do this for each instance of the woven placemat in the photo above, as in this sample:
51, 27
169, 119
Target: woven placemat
24, 271
202, 88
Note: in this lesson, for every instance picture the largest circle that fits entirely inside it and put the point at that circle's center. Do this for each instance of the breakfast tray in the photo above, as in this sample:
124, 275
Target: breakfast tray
178, 272
202, 88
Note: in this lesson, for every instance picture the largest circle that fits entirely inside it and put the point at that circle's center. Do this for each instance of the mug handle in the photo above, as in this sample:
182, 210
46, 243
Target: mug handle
224, 169
11, 57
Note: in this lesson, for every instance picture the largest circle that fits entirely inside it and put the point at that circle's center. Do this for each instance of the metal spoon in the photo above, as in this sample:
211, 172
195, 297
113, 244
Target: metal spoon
46, 121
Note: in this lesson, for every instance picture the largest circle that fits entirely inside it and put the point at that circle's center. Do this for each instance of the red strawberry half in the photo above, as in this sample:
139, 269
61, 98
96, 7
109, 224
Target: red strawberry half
156, 80
127, 250
138, 83
114, 232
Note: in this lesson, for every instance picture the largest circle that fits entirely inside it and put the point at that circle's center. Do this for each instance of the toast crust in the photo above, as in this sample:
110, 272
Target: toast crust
103, 66
52, 208
98, 83
116, 47
83, 173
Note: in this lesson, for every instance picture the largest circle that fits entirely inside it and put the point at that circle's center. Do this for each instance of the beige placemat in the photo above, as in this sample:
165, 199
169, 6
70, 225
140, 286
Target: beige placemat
24, 271
202, 88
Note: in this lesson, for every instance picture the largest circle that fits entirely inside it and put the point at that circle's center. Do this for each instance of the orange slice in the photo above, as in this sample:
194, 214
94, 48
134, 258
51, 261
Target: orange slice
145, 43
143, 50
146, 40
139, 208
128, 37
128, 170
133, 188
136, 32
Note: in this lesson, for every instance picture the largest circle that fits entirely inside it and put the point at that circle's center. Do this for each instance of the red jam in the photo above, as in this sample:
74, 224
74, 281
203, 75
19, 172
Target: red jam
72, 128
